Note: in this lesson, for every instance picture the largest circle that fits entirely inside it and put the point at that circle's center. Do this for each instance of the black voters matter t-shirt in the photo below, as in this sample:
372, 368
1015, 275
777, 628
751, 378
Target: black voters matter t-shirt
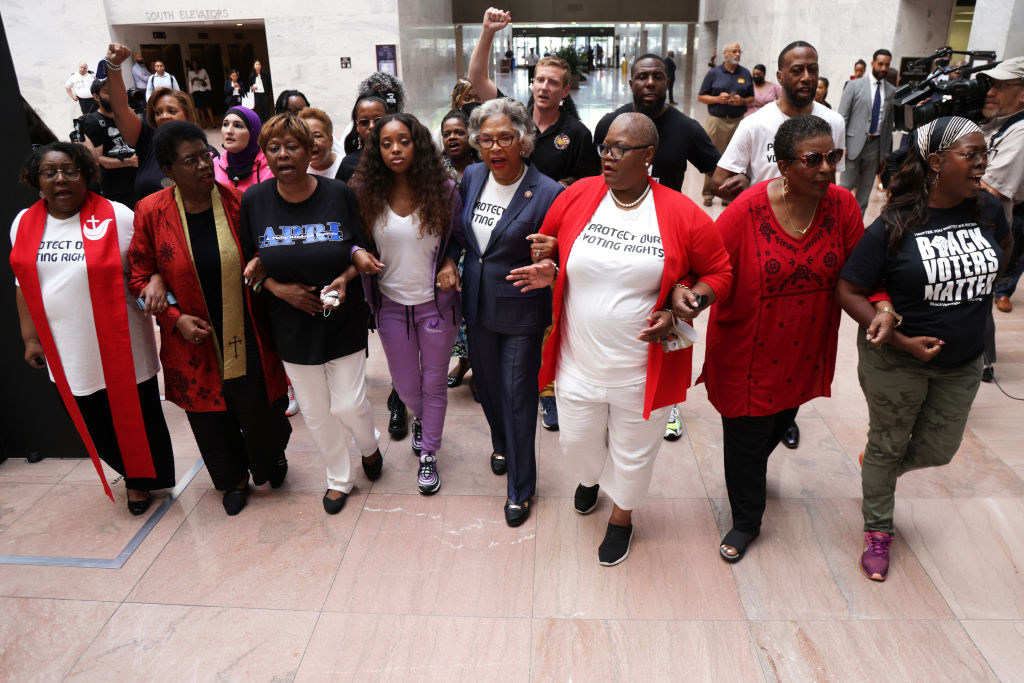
308, 242
941, 278
680, 139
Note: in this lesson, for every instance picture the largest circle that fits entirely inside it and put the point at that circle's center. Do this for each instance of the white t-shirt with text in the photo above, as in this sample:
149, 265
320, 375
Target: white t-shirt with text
613, 279
487, 211
752, 148
64, 283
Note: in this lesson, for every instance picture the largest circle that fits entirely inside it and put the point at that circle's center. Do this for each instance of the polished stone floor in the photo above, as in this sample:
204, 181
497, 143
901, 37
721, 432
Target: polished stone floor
403, 587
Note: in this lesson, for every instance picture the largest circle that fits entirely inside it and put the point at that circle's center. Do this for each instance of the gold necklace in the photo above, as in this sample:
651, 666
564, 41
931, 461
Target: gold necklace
789, 217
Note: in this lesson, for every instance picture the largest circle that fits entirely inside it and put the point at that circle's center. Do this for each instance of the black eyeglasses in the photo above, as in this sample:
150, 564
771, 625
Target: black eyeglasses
69, 173
502, 140
365, 123
615, 152
814, 159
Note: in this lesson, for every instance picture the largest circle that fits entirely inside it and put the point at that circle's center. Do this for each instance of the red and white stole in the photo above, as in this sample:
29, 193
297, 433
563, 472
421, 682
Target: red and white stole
110, 312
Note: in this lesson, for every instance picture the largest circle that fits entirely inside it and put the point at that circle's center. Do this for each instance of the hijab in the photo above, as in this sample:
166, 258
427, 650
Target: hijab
240, 165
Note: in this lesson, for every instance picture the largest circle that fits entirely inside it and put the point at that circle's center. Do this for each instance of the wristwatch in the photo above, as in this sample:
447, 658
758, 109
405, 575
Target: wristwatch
897, 316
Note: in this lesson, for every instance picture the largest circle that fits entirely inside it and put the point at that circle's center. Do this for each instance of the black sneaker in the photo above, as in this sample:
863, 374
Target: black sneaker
398, 424
615, 547
586, 498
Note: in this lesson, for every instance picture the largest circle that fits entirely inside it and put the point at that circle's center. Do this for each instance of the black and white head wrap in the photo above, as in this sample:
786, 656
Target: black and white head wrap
942, 133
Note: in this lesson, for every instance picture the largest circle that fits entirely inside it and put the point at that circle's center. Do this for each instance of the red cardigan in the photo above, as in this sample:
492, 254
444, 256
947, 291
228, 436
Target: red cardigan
191, 375
691, 244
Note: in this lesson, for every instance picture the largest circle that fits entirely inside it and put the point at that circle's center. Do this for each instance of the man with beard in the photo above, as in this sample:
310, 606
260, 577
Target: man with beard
728, 90
1004, 178
750, 156
868, 127
117, 160
563, 148
681, 139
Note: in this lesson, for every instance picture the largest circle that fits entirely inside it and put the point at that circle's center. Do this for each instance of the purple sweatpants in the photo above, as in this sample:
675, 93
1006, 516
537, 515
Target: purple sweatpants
418, 345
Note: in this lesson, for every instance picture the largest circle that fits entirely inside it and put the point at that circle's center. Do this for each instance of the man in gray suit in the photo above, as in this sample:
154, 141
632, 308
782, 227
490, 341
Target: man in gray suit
868, 127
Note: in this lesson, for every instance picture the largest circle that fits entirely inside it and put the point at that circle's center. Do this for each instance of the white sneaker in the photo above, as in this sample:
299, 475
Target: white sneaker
674, 426
293, 405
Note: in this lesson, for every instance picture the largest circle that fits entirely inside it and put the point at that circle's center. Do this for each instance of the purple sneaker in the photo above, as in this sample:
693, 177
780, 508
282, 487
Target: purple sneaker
428, 479
874, 562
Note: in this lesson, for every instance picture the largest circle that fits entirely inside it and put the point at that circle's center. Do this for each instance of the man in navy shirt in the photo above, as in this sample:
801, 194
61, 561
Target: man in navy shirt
728, 89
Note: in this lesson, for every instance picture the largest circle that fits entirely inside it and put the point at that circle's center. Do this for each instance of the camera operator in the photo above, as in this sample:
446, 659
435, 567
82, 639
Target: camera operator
116, 158
1004, 177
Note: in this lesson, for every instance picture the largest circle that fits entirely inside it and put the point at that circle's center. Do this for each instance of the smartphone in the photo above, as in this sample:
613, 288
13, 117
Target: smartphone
702, 301
141, 303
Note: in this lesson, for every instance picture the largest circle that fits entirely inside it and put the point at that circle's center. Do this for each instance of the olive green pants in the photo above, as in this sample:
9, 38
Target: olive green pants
918, 413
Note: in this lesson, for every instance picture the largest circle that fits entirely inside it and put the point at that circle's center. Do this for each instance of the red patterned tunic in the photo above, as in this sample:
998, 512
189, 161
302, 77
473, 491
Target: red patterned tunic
772, 344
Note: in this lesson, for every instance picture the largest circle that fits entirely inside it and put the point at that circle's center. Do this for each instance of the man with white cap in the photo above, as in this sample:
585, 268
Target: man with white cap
1004, 177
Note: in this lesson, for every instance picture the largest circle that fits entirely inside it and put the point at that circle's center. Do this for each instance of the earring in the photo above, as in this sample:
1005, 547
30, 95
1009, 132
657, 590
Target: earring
646, 164
785, 185
935, 180
41, 195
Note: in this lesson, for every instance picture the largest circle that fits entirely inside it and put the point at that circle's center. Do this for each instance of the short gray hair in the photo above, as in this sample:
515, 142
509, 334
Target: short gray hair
516, 113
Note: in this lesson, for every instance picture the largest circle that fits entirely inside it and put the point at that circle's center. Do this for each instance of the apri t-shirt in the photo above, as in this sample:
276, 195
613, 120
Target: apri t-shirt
940, 279
613, 278
490, 206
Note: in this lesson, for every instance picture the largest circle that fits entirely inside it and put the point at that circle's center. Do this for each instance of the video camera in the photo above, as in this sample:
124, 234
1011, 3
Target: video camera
916, 104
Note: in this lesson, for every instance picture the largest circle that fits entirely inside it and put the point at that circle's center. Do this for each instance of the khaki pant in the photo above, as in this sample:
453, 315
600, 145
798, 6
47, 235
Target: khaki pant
918, 413
720, 130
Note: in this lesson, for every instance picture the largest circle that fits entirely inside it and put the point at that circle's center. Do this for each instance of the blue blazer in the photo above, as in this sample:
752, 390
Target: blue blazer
489, 299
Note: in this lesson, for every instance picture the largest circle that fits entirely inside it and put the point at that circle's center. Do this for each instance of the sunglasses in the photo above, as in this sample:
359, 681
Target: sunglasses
365, 123
814, 159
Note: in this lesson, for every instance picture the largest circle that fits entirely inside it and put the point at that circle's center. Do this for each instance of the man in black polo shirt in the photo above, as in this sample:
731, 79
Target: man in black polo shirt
564, 148
681, 139
728, 89
118, 162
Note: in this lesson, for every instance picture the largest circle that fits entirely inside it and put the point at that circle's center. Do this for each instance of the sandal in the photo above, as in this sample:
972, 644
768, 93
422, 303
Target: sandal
739, 540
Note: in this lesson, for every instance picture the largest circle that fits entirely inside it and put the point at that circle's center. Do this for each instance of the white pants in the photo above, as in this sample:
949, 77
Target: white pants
332, 399
599, 425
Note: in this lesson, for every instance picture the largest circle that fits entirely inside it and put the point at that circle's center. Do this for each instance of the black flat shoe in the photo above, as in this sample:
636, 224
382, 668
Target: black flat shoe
454, 381
791, 439
398, 424
333, 507
517, 513
585, 499
138, 507
738, 540
372, 468
280, 471
235, 499
615, 546
499, 465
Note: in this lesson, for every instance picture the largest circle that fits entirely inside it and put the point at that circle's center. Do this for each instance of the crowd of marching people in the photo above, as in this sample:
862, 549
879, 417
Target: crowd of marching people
561, 267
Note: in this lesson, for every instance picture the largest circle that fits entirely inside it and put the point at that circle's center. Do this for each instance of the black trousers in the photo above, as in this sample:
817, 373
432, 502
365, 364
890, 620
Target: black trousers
88, 105
262, 106
748, 442
250, 435
95, 409
506, 367
671, 87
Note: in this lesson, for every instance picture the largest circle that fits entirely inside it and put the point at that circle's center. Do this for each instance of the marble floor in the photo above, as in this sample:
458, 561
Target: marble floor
404, 587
